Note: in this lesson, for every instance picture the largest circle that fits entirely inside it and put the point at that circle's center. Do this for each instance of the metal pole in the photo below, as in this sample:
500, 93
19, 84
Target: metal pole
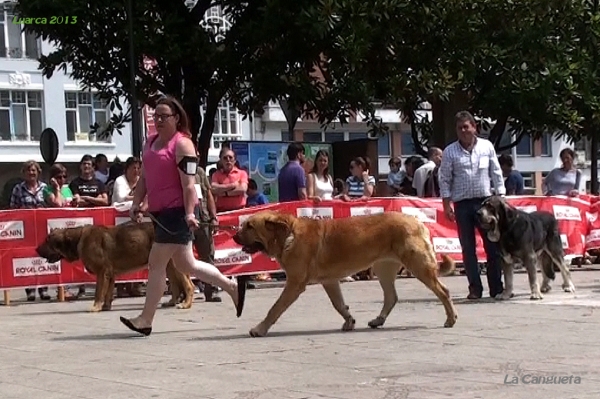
136, 128
593, 126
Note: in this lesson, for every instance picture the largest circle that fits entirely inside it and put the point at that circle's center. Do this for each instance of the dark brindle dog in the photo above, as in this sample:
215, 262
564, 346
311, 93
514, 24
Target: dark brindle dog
529, 237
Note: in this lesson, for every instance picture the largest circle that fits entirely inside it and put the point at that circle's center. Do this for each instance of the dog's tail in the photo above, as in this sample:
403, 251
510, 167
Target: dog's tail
447, 266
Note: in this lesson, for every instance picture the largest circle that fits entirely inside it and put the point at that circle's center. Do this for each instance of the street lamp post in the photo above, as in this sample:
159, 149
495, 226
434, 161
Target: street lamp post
136, 129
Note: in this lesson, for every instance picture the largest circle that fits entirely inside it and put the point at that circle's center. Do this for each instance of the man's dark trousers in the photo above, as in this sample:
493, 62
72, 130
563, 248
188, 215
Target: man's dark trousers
205, 246
465, 212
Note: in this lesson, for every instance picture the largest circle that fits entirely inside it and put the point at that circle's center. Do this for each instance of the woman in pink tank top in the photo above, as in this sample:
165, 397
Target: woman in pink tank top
168, 183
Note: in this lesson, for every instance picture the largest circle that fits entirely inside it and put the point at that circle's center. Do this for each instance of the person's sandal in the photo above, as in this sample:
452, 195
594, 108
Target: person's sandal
146, 331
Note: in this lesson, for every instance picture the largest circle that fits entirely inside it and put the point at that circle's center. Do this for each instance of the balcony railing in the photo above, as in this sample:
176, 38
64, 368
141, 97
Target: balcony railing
17, 52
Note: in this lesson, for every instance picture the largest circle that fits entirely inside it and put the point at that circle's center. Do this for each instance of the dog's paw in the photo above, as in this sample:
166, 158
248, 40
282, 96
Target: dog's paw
451, 321
258, 331
183, 305
570, 287
107, 307
504, 296
545, 289
169, 304
377, 322
536, 296
349, 324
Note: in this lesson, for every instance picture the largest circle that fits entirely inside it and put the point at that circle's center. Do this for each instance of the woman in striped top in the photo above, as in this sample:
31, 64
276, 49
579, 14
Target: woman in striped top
359, 186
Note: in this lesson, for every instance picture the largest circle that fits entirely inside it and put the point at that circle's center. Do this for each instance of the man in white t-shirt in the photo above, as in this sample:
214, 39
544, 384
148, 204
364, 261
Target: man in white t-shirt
434, 154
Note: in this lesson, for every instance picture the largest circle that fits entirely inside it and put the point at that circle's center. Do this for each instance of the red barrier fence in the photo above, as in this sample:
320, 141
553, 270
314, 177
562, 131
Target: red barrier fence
22, 230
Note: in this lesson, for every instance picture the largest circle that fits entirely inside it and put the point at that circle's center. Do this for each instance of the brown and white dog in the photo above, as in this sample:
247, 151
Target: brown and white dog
325, 251
108, 251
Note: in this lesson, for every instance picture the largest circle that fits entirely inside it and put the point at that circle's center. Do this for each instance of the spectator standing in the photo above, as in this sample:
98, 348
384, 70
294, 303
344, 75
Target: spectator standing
29, 195
411, 164
513, 180
565, 180
57, 194
359, 185
88, 191
255, 197
396, 176
124, 186
319, 181
467, 166
101, 168
292, 177
203, 236
229, 184
434, 156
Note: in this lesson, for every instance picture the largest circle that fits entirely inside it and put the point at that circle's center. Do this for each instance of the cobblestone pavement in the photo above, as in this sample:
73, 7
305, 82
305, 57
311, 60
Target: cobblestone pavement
60, 351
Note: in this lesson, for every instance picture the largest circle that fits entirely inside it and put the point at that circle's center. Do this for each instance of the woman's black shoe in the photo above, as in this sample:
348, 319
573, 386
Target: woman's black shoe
144, 331
241, 291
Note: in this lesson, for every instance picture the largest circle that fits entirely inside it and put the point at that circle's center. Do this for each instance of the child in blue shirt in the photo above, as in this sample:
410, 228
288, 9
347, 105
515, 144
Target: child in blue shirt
254, 196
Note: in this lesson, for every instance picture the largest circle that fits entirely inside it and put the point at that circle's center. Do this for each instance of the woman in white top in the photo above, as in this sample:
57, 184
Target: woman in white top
319, 184
125, 184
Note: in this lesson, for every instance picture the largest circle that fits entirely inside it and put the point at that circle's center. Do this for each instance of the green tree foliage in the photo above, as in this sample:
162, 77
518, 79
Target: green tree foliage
521, 63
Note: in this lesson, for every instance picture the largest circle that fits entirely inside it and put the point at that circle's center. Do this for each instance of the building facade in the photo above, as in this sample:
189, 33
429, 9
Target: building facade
534, 159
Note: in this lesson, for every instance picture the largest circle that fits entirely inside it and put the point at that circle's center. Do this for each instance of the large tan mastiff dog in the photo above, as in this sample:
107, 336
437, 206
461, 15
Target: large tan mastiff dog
325, 251
108, 251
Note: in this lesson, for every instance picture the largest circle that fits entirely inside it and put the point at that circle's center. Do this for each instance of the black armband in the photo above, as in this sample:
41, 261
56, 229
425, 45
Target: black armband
188, 165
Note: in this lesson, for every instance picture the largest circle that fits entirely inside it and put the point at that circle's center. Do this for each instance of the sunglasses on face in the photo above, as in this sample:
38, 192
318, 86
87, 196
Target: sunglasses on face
162, 118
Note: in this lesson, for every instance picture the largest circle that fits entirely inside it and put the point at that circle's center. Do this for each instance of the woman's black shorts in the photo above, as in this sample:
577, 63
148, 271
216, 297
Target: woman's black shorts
172, 227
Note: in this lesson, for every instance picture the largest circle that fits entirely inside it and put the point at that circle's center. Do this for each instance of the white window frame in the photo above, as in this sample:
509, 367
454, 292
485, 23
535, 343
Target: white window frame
528, 180
550, 139
218, 135
5, 8
28, 109
108, 138
531, 145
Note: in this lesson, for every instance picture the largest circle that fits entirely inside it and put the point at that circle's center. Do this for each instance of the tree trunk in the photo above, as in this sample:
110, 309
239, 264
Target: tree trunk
444, 127
208, 126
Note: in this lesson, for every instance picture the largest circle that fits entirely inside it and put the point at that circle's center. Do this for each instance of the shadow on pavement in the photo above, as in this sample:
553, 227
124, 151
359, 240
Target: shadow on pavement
220, 337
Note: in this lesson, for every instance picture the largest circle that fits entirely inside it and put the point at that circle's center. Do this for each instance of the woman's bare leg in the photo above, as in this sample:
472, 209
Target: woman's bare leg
157, 277
184, 260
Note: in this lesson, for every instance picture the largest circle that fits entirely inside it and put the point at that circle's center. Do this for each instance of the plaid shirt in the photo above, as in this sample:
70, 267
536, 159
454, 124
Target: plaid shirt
466, 174
22, 197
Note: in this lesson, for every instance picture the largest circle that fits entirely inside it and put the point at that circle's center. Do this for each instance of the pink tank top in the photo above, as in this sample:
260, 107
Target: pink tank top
161, 173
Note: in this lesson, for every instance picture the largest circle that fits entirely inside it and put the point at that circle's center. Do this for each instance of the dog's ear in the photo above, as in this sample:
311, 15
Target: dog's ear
69, 244
277, 225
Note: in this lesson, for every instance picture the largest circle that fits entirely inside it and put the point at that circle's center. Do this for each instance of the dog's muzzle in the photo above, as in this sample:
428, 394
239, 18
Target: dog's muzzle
249, 248
45, 252
489, 223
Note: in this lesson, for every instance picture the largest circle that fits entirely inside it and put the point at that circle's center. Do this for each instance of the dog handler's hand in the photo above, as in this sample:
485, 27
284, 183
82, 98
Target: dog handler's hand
449, 212
135, 214
192, 222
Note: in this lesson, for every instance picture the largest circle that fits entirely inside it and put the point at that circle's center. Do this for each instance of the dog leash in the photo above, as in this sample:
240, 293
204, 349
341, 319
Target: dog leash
200, 223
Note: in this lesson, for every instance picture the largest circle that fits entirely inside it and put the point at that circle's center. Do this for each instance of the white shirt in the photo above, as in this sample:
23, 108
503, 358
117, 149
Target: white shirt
466, 174
121, 189
323, 189
420, 176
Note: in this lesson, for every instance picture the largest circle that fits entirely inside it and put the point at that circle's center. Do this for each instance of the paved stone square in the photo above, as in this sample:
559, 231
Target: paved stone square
60, 351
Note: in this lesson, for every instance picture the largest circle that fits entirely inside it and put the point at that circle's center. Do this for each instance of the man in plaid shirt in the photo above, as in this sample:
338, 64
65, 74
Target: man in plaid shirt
468, 167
